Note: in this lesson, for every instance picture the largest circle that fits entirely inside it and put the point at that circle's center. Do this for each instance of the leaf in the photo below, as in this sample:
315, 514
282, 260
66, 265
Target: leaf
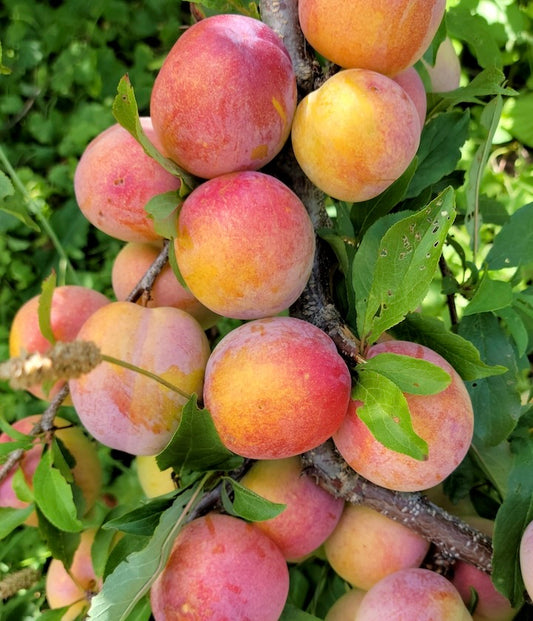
196, 445
142, 520
126, 113
515, 324
174, 263
45, 307
21, 487
53, 496
163, 209
16, 208
519, 118
55, 614
291, 613
490, 117
496, 400
513, 245
365, 213
411, 375
386, 413
61, 544
490, 295
132, 579
11, 518
514, 514
247, 504
485, 84
405, 265
440, 149
244, 7
458, 351
475, 31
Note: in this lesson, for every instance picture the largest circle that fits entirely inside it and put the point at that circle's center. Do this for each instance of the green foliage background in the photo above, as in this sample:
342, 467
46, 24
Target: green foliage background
60, 65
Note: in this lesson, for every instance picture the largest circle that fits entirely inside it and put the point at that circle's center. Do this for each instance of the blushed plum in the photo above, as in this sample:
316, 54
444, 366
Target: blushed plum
245, 245
276, 387
310, 514
233, 114
221, 567
383, 35
122, 408
444, 420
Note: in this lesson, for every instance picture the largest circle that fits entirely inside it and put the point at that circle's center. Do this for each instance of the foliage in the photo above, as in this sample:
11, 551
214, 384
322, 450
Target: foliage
443, 257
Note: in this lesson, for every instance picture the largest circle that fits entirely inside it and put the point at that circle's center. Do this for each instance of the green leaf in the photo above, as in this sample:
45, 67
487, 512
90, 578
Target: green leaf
411, 375
490, 295
132, 579
21, 440
476, 33
514, 514
440, 149
496, 400
22, 489
53, 496
11, 518
196, 445
45, 307
386, 413
489, 121
247, 504
55, 614
518, 118
16, 208
458, 351
142, 520
163, 209
365, 213
404, 267
244, 7
61, 544
291, 613
517, 328
513, 246
485, 84
126, 113
6, 187
173, 262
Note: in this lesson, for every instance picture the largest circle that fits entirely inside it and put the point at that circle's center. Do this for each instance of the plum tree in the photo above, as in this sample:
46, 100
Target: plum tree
297, 257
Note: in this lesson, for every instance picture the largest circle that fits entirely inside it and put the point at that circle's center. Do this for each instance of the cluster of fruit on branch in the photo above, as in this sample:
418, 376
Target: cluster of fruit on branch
197, 182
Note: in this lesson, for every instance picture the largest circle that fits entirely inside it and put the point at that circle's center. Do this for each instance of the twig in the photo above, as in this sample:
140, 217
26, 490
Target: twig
455, 539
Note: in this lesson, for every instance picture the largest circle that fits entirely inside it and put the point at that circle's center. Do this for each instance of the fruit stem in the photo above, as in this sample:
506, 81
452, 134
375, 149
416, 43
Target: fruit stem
154, 376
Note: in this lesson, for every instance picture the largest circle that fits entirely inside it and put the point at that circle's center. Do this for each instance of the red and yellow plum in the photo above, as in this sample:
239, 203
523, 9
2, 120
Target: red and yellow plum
245, 245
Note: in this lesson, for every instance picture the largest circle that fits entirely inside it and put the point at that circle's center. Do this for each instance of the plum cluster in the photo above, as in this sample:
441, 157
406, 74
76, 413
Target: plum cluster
276, 385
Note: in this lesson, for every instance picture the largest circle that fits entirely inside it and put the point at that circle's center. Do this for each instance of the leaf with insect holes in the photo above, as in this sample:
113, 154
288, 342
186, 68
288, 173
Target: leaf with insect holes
126, 113
403, 267
385, 412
